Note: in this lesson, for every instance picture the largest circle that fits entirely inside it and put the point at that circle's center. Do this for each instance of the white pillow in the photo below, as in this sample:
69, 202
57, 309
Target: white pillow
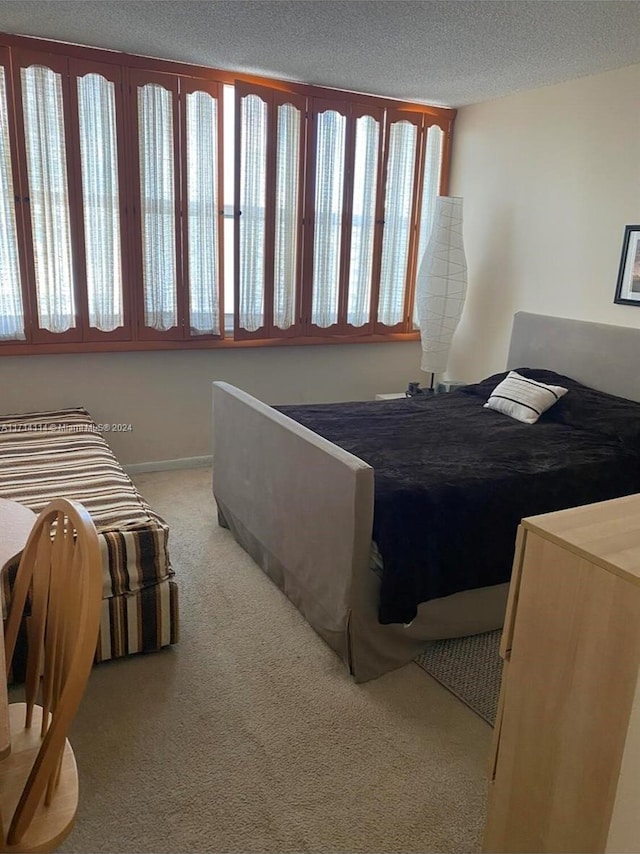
522, 398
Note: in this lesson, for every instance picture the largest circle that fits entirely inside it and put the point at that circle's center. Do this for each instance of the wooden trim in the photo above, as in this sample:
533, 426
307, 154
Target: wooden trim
270, 212
418, 187
445, 167
186, 69
13, 348
130, 202
306, 305
19, 190
347, 218
327, 93
76, 202
379, 232
236, 213
413, 234
221, 247
116, 57
29, 284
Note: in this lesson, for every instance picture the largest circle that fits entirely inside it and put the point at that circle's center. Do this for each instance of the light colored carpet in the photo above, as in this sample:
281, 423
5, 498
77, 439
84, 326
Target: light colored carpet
469, 667
249, 736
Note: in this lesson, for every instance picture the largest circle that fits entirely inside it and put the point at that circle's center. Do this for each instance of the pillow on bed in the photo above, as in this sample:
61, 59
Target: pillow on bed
523, 398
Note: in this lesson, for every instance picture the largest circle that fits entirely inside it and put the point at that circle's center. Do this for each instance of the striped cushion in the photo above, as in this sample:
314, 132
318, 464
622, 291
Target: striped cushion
522, 398
144, 621
62, 454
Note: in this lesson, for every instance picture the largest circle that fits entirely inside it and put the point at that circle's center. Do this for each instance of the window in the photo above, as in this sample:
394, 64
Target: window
100, 201
269, 205
148, 204
11, 308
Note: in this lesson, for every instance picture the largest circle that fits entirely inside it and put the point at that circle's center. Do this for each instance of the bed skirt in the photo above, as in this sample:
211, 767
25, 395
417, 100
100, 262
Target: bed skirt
368, 648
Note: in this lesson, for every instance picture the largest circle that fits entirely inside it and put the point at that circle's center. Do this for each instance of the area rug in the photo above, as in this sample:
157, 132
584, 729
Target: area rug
471, 668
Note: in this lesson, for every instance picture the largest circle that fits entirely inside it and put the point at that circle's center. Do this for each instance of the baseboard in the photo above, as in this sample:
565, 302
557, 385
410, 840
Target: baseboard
166, 465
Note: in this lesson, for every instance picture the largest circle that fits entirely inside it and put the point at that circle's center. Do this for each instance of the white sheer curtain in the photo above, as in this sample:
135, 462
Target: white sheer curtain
11, 311
330, 142
101, 201
49, 197
430, 188
157, 206
397, 221
287, 216
202, 206
365, 174
253, 180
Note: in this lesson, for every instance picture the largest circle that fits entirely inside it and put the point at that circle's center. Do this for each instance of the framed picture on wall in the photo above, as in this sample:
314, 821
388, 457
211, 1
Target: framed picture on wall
628, 286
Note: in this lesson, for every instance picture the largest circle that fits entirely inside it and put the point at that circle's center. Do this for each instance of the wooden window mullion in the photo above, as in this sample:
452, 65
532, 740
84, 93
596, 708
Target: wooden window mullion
377, 240
182, 259
20, 191
446, 125
270, 214
347, 217
77, 206
129, 204
415, 220
307, 230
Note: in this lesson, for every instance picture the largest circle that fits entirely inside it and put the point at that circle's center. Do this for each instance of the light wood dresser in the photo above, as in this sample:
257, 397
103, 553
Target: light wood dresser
565, 764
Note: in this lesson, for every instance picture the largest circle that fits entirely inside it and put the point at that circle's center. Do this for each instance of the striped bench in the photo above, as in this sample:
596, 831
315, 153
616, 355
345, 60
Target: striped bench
63, 454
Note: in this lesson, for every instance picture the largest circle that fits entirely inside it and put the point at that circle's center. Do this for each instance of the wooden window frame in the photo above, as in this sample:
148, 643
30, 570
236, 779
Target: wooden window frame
20, 197
124, 70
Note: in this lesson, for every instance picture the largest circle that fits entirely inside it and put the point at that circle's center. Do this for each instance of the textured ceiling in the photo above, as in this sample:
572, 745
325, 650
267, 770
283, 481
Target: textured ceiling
452, 53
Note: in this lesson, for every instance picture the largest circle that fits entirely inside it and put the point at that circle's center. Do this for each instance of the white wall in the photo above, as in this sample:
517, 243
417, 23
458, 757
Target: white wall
550, 178
166, 396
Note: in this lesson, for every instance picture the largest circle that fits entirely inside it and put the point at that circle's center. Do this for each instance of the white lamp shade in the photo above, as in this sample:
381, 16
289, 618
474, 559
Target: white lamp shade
441, 285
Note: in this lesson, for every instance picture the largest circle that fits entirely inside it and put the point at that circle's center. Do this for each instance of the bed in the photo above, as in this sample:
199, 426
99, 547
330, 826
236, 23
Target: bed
307, 504
63, 454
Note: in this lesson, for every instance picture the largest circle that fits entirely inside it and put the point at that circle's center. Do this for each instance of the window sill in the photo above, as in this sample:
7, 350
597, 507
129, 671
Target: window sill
26, 349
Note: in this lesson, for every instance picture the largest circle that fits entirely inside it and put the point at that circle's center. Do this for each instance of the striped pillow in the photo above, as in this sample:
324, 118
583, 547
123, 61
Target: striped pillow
522, 398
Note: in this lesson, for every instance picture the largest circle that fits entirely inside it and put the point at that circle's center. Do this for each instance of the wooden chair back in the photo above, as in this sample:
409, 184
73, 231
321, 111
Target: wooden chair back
60, 575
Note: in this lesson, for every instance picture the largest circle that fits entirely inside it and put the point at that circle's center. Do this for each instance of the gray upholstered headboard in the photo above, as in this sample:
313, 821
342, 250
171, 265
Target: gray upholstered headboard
600, 355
